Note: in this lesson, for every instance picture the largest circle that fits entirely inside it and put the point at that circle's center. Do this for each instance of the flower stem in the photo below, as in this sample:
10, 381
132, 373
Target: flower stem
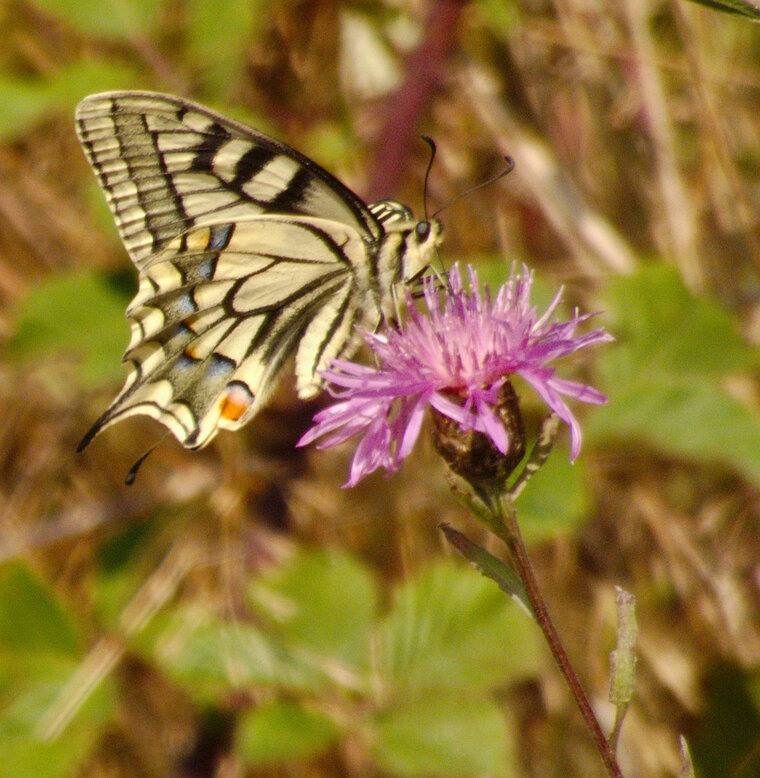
505, 525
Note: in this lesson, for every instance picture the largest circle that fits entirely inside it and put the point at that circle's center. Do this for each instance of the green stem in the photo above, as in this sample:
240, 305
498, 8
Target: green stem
505, 525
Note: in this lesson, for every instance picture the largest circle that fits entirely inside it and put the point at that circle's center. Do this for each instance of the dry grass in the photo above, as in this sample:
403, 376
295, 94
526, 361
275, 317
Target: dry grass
636, 134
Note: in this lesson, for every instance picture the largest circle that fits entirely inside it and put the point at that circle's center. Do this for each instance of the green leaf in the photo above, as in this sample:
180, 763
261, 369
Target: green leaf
450, 628
31, 618
282, 732
328, 142
323, 604
725, 741
748, 8
117, 18
663, 330
21, 742
699, 422
80, 314
664, 376
445, 736
126, 559
494, 271
501, 573
236, 23
39, 650
501, 17
209, 656
24, 101
554, 500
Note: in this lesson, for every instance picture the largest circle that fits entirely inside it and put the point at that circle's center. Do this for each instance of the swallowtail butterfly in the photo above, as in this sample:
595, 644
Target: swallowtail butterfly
248, 253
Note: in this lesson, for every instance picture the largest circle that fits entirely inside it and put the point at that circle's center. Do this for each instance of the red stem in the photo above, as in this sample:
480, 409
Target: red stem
403, 112
513, 538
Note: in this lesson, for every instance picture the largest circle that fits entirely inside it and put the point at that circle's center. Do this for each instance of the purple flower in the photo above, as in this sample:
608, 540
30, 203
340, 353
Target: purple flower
455, 358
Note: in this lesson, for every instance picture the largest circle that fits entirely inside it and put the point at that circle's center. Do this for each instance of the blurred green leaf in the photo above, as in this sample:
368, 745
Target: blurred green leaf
329, 143
24, 101
663, 330
282, 732
31, 618
80, 314
323, 604
217, 32
445, 736
209, 656
725, 741
117, 18
126, 560
700, 422
502, 17
554, 500
494, 271
748, 8
452, 629
39, 649
21, 744
663, 376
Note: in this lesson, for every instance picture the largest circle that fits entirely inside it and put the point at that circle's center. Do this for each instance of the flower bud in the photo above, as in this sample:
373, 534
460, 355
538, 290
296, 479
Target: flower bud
472, 455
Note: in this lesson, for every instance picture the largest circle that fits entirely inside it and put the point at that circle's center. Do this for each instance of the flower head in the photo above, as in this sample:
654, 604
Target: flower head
455, 358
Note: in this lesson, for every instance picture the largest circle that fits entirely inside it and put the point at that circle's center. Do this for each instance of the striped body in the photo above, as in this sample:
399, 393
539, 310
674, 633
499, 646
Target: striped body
248, 253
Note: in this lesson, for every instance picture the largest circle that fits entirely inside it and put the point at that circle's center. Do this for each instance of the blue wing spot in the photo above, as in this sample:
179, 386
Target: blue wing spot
219, 365
185, 362
220, 236
180, 304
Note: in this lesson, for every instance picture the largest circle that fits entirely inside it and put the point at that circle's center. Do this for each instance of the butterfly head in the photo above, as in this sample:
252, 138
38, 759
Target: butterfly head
414, 242
420, 244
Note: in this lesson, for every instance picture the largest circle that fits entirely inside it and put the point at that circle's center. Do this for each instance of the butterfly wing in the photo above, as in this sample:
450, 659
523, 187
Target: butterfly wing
247, 251
219, 311
167, 165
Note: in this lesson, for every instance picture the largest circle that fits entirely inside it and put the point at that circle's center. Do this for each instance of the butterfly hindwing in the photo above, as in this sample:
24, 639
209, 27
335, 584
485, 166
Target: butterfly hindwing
167, 165
212, 326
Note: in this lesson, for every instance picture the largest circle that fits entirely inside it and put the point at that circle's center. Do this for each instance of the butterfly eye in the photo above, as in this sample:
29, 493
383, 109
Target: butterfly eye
422, 230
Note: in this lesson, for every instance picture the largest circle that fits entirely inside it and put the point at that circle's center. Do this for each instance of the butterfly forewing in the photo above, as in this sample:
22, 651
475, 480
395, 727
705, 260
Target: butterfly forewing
167, 165
248, 254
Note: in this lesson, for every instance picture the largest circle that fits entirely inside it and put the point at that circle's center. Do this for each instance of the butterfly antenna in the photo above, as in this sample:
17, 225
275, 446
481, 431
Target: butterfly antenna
431, 143
433, 149
507, 170
132, 474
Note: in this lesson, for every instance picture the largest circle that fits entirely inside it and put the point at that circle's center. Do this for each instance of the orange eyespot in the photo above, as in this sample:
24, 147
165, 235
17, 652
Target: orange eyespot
234, 403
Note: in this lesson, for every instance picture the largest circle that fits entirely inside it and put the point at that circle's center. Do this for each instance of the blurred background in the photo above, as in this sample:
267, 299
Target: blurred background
235, 612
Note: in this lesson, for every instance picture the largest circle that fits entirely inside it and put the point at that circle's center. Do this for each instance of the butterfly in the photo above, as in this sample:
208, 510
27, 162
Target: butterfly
248, 254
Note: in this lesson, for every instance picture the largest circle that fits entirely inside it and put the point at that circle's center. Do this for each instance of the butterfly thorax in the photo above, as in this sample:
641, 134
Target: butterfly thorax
405, 251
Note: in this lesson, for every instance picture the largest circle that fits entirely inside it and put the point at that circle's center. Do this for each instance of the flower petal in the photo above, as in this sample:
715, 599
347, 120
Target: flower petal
455, 357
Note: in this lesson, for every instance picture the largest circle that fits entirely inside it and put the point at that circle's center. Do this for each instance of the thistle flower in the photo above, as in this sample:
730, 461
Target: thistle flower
456, 358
